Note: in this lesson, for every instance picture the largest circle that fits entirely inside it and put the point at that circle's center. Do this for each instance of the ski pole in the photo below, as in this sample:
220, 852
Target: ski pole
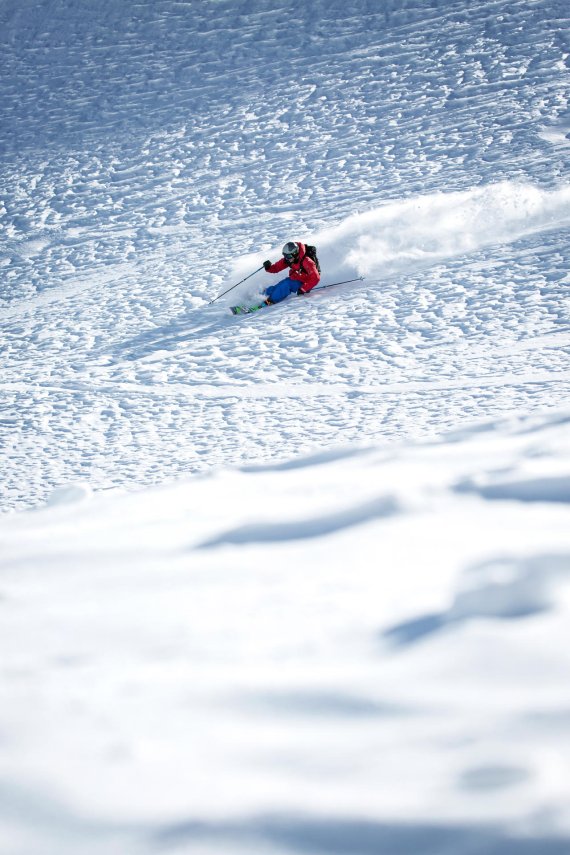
235, 286
332, 284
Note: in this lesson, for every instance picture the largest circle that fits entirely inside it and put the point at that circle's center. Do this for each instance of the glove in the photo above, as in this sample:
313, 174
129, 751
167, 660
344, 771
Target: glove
267, 264
300, 291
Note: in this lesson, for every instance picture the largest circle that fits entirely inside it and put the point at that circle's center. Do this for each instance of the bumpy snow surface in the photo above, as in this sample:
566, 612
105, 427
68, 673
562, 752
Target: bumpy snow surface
298, 581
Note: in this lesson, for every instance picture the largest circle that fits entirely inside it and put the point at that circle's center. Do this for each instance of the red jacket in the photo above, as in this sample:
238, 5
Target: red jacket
303, 270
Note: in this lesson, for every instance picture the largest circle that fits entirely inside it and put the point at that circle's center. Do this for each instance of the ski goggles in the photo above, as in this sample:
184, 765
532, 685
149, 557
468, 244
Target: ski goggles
291, 256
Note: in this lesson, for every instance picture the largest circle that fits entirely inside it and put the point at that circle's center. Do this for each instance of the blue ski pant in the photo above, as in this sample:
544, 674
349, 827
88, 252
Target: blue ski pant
278, 292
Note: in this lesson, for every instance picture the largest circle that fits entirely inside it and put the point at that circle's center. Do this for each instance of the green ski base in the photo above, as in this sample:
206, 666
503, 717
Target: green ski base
246, 310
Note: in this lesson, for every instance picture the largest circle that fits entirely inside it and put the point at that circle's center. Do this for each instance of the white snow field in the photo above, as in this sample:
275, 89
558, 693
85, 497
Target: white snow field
298, 581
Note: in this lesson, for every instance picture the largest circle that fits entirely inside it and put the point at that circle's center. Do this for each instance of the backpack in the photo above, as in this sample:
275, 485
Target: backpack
311, 252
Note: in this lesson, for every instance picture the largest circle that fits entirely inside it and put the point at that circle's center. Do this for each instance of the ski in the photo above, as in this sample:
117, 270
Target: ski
246, 310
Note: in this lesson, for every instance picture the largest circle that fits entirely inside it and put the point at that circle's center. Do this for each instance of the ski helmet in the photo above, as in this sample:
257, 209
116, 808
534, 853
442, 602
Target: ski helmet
290, 251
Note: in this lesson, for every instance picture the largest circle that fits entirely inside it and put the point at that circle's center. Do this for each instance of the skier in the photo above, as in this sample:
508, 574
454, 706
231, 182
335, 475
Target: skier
303, 273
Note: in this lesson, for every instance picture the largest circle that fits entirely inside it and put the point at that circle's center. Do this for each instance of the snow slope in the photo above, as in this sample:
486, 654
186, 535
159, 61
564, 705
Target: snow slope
152, 155
358, 651
99, 385
298, 581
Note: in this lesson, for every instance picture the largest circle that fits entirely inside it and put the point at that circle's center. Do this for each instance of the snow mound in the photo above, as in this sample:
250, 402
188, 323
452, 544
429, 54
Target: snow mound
69, 495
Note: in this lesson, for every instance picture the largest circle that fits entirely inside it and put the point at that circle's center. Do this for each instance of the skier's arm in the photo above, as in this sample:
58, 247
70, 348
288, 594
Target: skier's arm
277, 267
310, 275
